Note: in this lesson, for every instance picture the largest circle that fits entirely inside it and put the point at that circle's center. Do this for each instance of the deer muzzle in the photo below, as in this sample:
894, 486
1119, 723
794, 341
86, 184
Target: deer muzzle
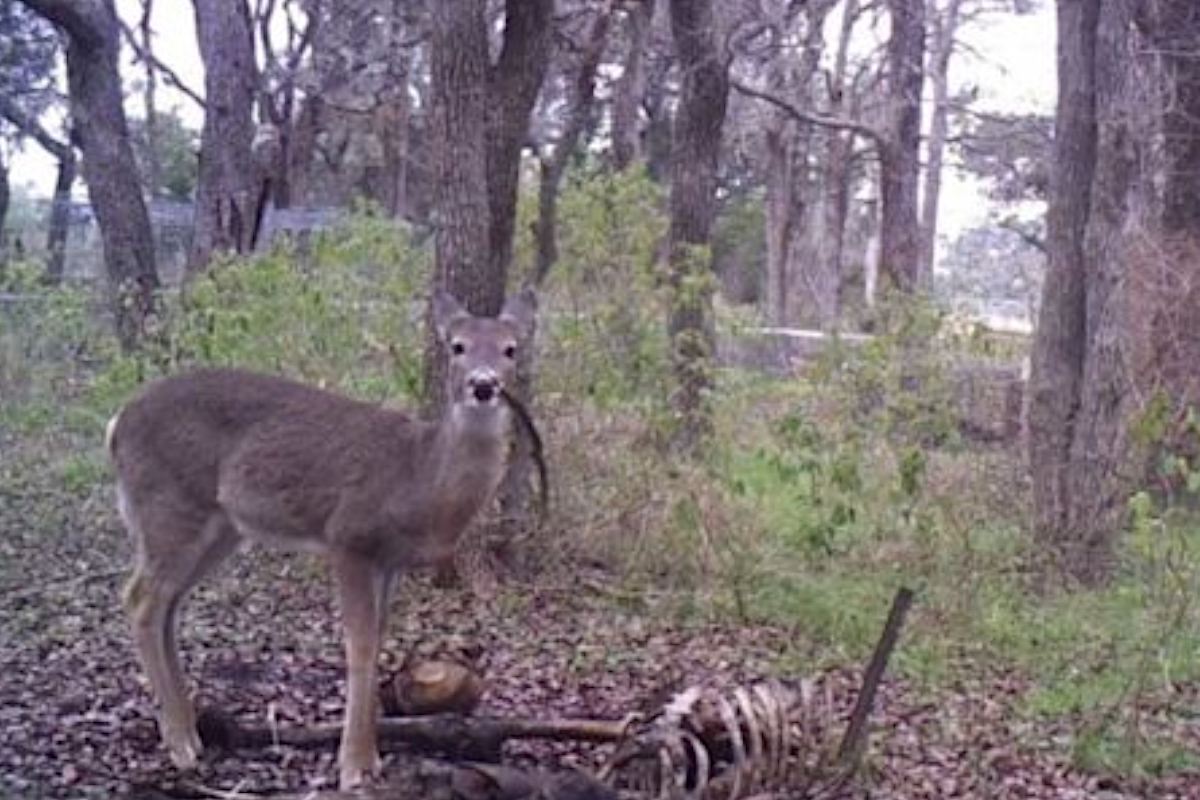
483, 386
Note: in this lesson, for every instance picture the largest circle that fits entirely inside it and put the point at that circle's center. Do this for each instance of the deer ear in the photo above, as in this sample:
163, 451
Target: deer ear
445, 312
520, 310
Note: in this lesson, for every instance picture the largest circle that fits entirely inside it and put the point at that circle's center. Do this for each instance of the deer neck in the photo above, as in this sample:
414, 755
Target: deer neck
471, 448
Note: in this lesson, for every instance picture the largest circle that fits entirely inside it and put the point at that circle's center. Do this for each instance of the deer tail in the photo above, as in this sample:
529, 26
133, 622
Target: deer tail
110, 431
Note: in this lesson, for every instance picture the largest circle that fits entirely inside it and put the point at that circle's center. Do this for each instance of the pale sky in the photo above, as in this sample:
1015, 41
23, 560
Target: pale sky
1012, 61
1009, 58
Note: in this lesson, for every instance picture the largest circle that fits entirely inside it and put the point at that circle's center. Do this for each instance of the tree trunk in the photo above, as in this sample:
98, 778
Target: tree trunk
1179, 35
397, 141
1117, 329
459, 64
631, 86
1100, 455
94, 85
836, 174
229, 184
900, 159
553, 167
778, 219
656, 139
458, 130
512, 86
60, 206
799, 291
1060, 345
699, 119
943, 29
60, 220
153, 176
5, 192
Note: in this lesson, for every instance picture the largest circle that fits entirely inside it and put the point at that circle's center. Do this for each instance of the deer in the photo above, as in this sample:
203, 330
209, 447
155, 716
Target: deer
210, 459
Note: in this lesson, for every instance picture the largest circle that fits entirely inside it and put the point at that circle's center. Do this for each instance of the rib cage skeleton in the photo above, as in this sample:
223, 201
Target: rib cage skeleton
208, 459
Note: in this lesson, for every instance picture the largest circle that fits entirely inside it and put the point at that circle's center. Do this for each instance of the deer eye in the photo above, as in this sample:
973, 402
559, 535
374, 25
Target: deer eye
510, 352
458, 348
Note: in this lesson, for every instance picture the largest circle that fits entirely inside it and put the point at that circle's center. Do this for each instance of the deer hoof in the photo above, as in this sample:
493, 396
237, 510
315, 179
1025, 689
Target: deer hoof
356, 776
185, 750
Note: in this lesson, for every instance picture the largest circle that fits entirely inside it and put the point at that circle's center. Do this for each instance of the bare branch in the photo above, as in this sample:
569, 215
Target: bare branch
809, 118
1024, 234
32, 128
169, 75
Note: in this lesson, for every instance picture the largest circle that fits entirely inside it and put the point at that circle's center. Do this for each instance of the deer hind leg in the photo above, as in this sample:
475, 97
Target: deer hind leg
171, 559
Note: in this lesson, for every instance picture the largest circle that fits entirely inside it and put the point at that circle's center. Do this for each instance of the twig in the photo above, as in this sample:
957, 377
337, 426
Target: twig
219, 794
67, 583
169, 75
800, 115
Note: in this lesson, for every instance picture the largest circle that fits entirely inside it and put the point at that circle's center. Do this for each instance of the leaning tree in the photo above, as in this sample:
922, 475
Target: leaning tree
92, 35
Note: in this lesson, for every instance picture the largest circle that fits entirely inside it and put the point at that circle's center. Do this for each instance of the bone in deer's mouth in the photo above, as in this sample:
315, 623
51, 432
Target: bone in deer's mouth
525, 419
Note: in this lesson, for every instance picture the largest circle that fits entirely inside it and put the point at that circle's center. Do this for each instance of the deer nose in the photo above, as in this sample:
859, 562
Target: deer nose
484, 385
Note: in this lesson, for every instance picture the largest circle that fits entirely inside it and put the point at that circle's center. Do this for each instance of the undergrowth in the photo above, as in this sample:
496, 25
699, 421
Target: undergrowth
821, 495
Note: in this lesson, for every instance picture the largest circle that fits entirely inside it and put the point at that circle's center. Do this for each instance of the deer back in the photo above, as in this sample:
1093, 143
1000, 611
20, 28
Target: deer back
303, 468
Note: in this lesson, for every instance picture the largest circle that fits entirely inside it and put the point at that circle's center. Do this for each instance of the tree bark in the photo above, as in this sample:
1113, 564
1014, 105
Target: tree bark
1116, 333
631, 86
102, 133
1179, 33
228, 190
1060, 345
459, 65
836, 175
699, 119
60, 220
779, 219
802, 288
60, 206
900, 159
943, 29
553, 167
149, 100
5, 193
513, 84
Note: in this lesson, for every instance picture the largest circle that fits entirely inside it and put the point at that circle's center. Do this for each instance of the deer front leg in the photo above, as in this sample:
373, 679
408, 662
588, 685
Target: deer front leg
358, 585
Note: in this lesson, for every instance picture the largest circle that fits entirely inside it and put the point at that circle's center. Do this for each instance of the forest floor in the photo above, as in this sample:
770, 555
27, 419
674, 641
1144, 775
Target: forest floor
262, 640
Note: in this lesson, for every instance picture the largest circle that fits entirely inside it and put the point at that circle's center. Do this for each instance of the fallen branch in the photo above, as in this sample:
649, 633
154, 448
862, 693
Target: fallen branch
854, 741
478, 737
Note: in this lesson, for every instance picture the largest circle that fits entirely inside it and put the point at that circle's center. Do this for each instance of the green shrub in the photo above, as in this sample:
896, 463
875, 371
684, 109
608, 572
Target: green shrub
346, 312
51, 338
605, 336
